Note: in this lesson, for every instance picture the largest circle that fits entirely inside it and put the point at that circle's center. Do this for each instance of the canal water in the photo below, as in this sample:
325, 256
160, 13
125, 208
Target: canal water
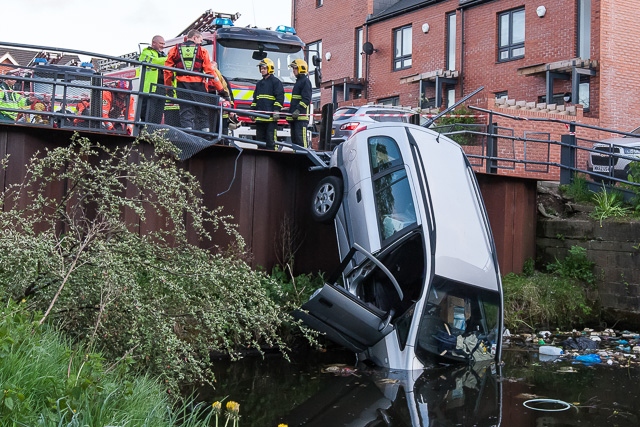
321, 390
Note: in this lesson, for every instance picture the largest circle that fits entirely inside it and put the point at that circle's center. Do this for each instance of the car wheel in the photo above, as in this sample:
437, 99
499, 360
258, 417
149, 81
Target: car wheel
326, 199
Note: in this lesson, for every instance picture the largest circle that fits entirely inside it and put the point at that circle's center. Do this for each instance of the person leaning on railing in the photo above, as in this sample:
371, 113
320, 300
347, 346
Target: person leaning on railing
152, 108
10, 99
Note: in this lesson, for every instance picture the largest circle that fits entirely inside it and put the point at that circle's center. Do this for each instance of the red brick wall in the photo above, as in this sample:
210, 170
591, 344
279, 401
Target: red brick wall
615, 90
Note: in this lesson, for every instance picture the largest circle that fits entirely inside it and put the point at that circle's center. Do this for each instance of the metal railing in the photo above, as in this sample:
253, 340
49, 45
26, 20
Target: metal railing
51, 95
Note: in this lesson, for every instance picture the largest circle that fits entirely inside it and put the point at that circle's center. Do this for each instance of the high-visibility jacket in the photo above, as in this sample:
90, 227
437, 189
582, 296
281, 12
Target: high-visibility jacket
191, 57
151, 74
301, 97
115, 107
268, 96
10, 99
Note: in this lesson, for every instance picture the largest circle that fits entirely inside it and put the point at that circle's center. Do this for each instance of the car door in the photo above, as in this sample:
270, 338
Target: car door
346, 319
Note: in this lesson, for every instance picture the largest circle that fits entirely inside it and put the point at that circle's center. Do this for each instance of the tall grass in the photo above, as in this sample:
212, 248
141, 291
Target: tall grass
46, 382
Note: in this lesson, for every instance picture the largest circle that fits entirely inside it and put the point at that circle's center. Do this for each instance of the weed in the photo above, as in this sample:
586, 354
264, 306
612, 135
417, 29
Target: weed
608, 205
578, 190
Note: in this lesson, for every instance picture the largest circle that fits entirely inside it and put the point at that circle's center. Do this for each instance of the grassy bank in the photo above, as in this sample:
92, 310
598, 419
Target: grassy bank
45, 382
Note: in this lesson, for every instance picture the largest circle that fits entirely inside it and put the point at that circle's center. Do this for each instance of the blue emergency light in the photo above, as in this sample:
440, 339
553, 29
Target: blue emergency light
222, 22
86, 65
40, 61
285, 29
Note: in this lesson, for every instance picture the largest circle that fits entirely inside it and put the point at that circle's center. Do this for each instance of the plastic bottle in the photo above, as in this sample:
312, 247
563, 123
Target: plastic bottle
550, 350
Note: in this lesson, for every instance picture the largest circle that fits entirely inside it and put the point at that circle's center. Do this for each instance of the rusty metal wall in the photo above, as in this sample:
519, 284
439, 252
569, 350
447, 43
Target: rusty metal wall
268, 192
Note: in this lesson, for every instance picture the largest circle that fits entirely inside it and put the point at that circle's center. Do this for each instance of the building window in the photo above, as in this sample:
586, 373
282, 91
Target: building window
451, 41
393, 101
313, 49
319, 3
359, 52
502, 94
402, 52
584, 29
584, 95
511, 35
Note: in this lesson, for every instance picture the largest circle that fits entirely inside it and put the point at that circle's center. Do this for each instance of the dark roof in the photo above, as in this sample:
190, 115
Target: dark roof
21, 56
403, 6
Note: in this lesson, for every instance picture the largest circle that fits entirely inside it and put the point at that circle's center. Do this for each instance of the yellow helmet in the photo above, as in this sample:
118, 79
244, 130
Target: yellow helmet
266, 62
301, 65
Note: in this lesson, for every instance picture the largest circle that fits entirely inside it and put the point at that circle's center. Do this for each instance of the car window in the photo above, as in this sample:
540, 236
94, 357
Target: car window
394, 203
344, 113
388, 116
383, 154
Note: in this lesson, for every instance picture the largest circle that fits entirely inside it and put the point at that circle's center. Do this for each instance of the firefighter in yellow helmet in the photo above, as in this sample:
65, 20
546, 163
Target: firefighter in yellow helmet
268, 98
300, 101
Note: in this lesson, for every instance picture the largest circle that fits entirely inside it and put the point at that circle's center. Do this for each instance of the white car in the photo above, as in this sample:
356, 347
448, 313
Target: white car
419, 276
614, 155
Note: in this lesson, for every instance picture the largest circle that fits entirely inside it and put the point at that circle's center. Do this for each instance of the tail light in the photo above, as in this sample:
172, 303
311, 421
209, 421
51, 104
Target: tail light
350, 126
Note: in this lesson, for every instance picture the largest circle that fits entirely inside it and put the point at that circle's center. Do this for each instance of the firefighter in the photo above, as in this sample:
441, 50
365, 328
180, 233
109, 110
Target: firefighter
191, 57
117, 105
268, 97
151, 108
300, 101
10, 99
83, 109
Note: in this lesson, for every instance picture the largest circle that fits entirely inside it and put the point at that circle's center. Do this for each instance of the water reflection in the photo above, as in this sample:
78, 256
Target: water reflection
306, 393
449, 396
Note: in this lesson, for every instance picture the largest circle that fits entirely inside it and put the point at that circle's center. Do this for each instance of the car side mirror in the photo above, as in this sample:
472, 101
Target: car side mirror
259, 55
315, 60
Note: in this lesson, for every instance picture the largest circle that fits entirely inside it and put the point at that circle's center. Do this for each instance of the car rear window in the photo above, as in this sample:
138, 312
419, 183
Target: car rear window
388, 116
344, 113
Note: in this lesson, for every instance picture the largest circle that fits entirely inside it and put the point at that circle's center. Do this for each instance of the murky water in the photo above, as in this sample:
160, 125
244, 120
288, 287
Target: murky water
524, 392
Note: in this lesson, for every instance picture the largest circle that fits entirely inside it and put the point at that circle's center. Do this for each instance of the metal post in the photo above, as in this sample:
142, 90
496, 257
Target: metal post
568, 155
492, 147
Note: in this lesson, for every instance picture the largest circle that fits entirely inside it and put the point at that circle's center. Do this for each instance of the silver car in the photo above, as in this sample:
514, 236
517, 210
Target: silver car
614, 155
419, 278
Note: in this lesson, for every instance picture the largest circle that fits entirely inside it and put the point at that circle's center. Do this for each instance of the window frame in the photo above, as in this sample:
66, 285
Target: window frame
402, 60
510, 47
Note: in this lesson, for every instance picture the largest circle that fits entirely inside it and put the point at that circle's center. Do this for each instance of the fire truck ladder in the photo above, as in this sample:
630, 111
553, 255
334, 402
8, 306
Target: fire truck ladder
206, 22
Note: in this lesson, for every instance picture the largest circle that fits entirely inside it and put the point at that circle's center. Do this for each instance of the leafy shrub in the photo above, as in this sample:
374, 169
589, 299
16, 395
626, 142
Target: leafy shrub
154, 298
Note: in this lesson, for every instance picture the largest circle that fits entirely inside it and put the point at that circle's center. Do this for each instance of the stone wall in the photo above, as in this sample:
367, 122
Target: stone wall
615, 249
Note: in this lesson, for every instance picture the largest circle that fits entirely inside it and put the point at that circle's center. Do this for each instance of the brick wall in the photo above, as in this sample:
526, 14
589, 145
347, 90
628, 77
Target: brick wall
551, 38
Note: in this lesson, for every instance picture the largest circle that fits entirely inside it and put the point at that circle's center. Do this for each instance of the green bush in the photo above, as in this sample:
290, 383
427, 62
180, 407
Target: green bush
578, 190
457, 128
153, 299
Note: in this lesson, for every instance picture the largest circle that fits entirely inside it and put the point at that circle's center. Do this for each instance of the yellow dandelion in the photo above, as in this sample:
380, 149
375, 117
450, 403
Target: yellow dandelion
282, 425
233, 407
217, 407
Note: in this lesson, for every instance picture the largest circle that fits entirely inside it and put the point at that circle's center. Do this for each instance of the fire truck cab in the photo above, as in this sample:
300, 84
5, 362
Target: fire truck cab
238, 50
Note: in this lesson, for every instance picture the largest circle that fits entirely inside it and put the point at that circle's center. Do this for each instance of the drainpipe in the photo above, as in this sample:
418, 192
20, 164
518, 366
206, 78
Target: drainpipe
462, 45
366, 65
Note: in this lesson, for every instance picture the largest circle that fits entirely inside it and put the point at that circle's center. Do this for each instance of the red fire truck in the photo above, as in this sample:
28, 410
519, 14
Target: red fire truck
238, 50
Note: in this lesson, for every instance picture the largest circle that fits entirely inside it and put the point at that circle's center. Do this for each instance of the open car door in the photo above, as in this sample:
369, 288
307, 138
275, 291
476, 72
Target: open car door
343, 317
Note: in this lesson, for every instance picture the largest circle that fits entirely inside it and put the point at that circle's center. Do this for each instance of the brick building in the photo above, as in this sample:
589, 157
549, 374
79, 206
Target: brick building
430, 53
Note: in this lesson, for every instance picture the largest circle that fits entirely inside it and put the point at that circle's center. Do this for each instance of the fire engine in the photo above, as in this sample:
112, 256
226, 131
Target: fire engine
237, 52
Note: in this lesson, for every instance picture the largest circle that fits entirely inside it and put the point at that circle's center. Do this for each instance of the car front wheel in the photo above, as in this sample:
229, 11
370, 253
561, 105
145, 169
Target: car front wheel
326, 199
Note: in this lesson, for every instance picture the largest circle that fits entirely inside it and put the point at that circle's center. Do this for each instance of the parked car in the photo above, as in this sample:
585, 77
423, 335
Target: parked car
419, 276
347, 119
614, 155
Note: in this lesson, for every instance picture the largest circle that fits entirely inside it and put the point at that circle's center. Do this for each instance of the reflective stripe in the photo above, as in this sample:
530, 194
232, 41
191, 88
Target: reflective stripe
242, 94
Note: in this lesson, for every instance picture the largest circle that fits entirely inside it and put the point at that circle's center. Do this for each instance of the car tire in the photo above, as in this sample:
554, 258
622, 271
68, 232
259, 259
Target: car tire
327, 197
